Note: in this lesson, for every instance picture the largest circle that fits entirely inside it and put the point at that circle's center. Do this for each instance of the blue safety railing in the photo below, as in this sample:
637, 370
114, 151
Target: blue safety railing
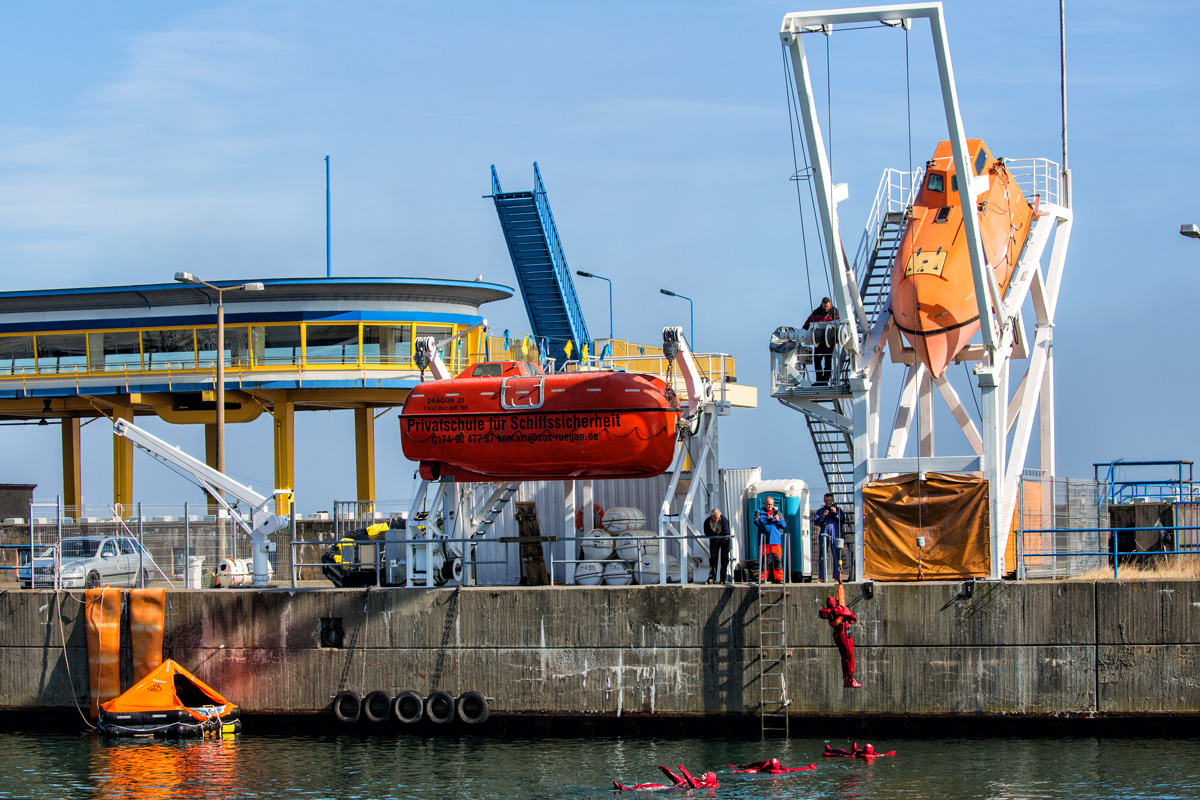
1176, 486
1190, 548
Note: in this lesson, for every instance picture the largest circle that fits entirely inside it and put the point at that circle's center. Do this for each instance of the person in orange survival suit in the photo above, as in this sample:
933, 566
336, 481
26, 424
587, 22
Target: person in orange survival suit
840, 619
770, 523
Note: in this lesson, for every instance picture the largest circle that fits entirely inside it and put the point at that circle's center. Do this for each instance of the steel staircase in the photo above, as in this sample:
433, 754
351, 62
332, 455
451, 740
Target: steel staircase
876, 284
773, 658
542, 274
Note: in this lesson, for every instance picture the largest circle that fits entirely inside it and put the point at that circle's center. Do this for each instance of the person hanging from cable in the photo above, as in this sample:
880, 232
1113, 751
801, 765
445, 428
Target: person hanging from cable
840, 619
822, 352
828, 519
770, 523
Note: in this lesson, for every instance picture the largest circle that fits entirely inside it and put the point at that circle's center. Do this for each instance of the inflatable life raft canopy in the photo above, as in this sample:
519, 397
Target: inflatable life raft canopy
170, 701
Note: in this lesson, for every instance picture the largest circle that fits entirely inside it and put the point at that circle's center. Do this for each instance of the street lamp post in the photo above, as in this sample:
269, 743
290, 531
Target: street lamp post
583, 274
691, 316
1190, 230
187, 277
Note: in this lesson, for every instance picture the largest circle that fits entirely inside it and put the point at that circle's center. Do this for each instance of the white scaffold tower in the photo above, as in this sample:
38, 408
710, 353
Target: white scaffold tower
845, 415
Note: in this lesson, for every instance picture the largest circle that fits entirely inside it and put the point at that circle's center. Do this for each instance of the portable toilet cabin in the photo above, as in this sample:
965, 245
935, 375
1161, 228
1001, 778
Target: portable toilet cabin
791, 497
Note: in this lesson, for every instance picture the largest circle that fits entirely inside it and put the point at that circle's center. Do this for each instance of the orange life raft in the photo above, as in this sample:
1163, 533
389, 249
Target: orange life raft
933, 291
170, 701
508, 420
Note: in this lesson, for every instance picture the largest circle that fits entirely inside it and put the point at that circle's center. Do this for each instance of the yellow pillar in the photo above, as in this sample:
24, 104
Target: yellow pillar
123, 463
285, 466
210, 458
71, 452
364, 451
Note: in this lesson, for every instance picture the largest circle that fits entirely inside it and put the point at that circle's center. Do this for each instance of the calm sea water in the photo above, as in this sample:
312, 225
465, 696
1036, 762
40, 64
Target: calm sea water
250, 766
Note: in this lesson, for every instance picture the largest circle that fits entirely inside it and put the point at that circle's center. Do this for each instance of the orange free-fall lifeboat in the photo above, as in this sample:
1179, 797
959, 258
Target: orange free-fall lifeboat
508, 420
933, 292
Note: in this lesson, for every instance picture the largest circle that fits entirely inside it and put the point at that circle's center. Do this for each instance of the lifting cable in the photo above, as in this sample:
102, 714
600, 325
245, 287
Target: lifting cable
829, 100
807, 172
789, 89
908, 98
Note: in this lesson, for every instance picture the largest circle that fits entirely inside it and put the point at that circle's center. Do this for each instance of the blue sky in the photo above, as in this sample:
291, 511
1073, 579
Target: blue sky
146, 138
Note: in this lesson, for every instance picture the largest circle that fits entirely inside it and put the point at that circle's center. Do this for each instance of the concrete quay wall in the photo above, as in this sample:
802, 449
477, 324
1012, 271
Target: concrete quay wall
1034, 649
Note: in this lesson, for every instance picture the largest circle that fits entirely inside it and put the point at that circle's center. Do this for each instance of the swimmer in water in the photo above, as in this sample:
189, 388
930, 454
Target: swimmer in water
869, 753
684, 781
832, 752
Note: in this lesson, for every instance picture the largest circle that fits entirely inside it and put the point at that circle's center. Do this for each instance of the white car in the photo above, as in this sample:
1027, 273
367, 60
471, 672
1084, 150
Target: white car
90, 561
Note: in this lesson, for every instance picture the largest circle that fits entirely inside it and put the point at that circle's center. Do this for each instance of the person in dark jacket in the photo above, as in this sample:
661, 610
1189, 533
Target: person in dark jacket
823, 353
828, 519
716, 527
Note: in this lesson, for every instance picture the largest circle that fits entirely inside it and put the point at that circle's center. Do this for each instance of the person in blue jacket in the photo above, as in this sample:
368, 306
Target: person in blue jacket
770, 523
828, 519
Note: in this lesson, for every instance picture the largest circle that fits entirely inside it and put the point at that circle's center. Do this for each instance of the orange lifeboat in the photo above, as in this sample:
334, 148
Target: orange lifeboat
933, 292
508, 420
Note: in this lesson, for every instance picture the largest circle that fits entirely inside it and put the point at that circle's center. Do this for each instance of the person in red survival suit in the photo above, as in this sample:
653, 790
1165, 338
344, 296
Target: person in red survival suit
685, 781
869, 753
772, 767
840, 619
833, 752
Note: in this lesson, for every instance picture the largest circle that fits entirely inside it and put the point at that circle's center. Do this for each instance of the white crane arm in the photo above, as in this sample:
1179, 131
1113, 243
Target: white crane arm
263, 522
675, 348
427, 352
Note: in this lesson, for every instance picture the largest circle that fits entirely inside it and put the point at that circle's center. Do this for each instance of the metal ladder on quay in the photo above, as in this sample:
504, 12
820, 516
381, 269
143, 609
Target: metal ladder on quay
774, 700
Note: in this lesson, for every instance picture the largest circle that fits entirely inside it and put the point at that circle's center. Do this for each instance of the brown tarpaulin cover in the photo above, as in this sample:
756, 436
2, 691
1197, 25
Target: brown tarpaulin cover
950, 511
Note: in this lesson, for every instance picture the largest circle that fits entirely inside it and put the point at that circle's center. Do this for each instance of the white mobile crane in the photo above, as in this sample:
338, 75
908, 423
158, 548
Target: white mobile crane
263, 521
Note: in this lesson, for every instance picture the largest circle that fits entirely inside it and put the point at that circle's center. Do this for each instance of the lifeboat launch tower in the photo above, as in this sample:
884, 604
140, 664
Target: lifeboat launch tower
1015, 316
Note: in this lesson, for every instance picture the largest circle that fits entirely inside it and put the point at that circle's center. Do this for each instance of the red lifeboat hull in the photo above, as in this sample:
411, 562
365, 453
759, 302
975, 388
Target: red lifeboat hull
540, 427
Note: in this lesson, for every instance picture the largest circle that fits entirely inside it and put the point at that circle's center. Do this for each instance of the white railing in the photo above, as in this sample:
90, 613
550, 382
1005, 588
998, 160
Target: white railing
895, 194
1039, 176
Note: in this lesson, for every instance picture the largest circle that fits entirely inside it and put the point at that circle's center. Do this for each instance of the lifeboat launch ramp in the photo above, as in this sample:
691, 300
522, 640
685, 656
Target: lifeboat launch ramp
844, 415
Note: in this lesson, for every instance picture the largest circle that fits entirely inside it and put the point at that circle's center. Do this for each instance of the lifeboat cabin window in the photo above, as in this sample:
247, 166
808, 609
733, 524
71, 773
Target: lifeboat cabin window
981, 161
495, 369
937, 182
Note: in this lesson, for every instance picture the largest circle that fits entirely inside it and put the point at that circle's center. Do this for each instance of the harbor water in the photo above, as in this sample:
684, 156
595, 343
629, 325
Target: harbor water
46, 765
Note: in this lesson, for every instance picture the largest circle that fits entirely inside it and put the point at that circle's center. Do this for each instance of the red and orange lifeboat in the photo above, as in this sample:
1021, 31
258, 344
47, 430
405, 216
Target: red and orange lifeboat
508, 420
933, 291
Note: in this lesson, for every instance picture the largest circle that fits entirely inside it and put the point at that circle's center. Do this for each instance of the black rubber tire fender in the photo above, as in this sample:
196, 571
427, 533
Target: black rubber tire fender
347, 706
439, 708
408, 707
377, 706
471, 708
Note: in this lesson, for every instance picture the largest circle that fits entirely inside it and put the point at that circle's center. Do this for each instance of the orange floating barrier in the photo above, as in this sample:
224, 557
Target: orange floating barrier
147, 610
103, 615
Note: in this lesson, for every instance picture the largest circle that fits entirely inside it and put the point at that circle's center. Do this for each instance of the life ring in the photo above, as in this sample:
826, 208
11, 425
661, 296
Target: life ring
471, 708
408, 707
377, 706
579, 517
347, 706
439, 708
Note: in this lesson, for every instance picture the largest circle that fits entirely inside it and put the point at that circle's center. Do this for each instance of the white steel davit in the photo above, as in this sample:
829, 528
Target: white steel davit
262, 522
